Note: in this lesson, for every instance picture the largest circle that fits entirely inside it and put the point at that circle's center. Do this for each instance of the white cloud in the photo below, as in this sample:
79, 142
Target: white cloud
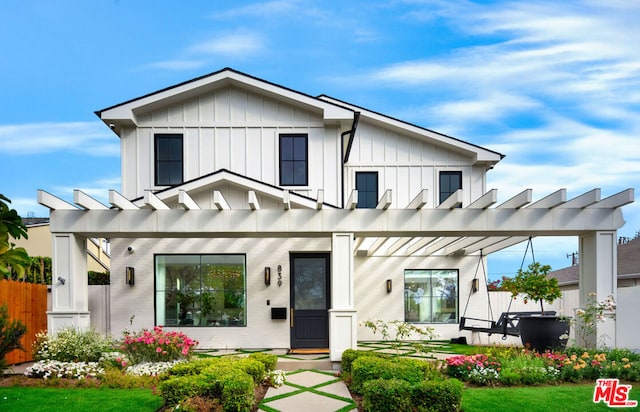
235, 44
92, 138
187, 64
266, 9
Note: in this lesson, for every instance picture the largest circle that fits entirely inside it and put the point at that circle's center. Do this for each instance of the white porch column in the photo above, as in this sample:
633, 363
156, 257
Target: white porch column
599, 274
343, 322
69, 288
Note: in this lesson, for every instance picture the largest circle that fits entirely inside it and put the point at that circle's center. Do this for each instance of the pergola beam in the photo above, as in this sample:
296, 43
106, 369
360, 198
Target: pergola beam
520, 200
186, 202
452, 201
352, 201
219, 201
553, 200
585, 200
419, 201
154, 202
385, 201
361, 222
119, 201
485, 201
82, 199
618, 200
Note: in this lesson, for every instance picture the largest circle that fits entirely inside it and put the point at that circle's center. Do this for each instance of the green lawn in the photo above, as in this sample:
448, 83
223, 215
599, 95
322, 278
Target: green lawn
33, 399
565, 398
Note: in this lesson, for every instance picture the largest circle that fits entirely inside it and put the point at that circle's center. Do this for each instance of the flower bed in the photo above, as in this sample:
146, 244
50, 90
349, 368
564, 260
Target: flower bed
512, 366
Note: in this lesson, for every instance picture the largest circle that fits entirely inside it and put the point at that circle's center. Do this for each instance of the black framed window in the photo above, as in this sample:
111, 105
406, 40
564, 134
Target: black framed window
449, 183
200, 290
168, 159
431, 296
294, 165
367, 187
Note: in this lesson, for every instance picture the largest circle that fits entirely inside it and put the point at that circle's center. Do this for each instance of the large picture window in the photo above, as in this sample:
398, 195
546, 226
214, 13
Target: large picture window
168, 159
200, 290
293, 160
431, 296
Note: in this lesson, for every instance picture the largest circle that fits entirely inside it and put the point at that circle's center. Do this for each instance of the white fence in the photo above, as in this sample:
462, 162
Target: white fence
628, 305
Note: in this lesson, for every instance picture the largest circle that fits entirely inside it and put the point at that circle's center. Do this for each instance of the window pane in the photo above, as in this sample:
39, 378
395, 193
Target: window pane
367, 187
431, 296
200, 290
286, 148
293, 160
310, 283
449, 183
300, 149
168, 159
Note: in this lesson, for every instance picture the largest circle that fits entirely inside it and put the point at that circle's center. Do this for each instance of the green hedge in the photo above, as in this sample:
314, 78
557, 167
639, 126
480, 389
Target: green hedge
366, 368
229, 380
349, 355
382, 395
437, 396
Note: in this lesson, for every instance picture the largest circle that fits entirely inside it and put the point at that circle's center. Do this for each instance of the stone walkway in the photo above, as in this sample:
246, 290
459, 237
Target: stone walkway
311, 391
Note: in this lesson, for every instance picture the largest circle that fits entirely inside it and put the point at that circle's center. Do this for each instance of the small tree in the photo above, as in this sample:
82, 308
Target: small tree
11, 332
11, 257
534, 285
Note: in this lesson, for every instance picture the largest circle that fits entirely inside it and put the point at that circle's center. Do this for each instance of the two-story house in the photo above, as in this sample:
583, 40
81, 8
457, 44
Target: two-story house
253, 216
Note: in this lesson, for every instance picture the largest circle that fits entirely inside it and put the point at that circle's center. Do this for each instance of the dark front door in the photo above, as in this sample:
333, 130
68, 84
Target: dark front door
310, 300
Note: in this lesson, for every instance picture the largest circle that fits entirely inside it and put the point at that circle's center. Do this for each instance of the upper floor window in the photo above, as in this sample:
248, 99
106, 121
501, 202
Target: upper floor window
168, 159
450, 182
294, 164
367, 187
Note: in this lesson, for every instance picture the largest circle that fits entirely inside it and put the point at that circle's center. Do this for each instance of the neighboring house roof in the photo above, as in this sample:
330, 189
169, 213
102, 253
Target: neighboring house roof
333, 110
35, 221
628, 265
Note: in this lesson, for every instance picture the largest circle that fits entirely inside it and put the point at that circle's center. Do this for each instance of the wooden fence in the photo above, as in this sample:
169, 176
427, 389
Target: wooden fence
27, 302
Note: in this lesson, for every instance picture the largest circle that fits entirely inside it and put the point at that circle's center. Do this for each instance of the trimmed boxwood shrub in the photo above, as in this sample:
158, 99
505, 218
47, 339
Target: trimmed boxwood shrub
384, 395
366, 368
230, 380
269, 360
349, 355
437, 396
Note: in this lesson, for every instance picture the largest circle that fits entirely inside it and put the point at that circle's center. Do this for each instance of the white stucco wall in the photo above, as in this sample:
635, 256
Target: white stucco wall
261, 331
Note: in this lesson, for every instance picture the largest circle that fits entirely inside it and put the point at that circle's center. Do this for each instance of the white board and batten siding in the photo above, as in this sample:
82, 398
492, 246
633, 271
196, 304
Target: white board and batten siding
407, 165
235, 130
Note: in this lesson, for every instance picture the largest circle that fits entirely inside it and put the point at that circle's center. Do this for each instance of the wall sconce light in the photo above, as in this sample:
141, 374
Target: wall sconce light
129, 275
267, 275
61, 280
475, 285
389, 286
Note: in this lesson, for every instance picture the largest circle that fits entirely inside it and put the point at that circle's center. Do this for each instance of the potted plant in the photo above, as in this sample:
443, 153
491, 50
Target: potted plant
544, 330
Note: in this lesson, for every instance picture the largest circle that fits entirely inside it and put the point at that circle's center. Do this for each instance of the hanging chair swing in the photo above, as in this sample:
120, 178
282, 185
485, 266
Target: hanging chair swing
507, 323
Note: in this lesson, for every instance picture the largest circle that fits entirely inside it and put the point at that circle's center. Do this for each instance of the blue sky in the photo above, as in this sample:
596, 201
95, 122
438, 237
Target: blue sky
553, 85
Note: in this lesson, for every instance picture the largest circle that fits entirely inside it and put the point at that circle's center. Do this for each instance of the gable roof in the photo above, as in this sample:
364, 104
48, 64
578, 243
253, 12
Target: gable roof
332, 110
124, 114
482, 154
237, 180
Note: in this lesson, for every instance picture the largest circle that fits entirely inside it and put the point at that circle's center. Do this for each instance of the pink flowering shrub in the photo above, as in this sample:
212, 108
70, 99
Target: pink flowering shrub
464, 367
156, 345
